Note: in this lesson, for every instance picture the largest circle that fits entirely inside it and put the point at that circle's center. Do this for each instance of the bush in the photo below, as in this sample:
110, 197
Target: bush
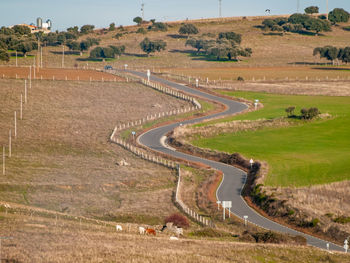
338, 15
240, 78
118, 35
178, 220
141, 30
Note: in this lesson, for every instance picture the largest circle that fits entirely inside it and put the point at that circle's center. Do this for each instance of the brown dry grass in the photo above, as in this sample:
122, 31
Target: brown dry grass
41, 240
267, 50
331, 88
317, 201
62, 159
57, 74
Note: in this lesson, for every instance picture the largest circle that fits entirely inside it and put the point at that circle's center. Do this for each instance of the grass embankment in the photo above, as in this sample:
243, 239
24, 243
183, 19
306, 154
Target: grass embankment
35, 239
305, 153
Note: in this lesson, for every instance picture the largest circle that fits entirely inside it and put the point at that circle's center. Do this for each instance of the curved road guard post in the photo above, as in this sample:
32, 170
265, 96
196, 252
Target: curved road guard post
234, 178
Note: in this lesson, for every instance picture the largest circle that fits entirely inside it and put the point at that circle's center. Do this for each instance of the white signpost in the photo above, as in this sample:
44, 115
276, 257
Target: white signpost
197, 83
346, 245
226, 204
245, 220
148, 74
133, 135
256, 104
218, 202
126, 66
251, 161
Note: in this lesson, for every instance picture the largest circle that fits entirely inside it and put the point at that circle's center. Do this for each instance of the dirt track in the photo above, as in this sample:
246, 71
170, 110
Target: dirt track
57, 74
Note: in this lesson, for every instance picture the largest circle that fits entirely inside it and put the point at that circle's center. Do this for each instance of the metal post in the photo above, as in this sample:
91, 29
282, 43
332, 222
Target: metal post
327, 10
15, 124
21, 109
25, 91
3, 161
10, 144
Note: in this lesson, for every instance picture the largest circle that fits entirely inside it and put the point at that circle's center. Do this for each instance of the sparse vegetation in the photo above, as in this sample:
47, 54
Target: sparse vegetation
178, 220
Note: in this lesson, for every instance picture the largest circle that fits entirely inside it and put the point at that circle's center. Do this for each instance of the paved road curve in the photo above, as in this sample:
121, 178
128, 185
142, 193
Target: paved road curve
234, 178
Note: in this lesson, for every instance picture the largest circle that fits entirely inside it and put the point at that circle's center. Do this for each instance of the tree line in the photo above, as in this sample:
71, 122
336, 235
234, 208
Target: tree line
297, 23
333, 54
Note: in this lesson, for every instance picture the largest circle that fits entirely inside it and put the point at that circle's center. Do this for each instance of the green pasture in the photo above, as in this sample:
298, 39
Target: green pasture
304, 153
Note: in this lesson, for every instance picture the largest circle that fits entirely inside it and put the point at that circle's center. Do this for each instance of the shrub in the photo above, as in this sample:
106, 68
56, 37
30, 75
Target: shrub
118, 35
240, 78
141, 30
178, 220
338, 15
342, 220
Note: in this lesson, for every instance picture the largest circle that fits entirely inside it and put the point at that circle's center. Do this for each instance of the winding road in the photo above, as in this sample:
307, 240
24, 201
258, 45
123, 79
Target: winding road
234, 178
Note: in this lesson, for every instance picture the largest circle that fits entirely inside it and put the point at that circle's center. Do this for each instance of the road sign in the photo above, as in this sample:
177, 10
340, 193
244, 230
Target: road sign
251, 161
346, 245
148, 74
245, 220
226, 204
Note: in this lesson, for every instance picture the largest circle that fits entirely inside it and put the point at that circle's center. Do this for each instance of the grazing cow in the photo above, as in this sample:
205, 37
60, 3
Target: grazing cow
150, 231
163, 228
118, 228
173, 238
179, 231
142, 230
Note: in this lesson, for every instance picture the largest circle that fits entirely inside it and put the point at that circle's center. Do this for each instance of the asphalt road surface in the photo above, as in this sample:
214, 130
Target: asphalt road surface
234, 178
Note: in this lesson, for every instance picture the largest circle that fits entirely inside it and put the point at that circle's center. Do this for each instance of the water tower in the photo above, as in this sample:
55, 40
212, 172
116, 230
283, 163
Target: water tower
39, 22
49, 23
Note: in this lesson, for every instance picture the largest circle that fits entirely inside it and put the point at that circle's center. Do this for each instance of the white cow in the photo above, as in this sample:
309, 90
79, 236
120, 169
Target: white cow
142, 230
173, 238
118, 228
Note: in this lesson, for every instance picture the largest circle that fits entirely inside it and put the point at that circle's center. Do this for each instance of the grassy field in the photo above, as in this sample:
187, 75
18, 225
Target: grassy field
62, 160
40, 239
304, 153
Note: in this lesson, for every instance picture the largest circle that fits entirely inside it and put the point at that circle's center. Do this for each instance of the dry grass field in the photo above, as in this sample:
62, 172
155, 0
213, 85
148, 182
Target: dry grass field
62, 160
56, 74
268, 50
41, 239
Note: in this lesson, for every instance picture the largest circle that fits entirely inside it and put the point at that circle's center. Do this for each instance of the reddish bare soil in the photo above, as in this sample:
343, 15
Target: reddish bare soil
57, 74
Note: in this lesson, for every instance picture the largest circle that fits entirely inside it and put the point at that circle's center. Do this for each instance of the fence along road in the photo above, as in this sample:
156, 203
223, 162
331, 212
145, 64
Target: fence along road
234, 178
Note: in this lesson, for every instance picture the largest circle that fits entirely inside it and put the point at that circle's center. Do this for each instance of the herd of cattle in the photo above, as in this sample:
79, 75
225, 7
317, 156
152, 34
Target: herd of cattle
178, 231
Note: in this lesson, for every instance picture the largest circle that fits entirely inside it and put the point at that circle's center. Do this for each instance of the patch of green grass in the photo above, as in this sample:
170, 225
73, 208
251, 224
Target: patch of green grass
315, 152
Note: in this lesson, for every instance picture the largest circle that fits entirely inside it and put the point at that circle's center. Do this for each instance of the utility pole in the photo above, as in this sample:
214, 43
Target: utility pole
298, 5
143, 11
327, 10
220, 8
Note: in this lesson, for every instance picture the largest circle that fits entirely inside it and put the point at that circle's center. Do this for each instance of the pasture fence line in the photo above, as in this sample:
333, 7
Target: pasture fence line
219, 83
191, 213
142, 153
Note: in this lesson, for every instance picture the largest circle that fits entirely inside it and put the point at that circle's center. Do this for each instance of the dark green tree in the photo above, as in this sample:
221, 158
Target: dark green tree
344, 54
96, 52
188, 29
158, 26
290, 111
317, 25
328, 52
232, 36
4, 56
73, 45
137, 20
298, 18
149, 46
311, 10
87, 29
22, 30
118, 50
111, 27
6, 31
26, 46
338, 15
198, 43
74, 30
